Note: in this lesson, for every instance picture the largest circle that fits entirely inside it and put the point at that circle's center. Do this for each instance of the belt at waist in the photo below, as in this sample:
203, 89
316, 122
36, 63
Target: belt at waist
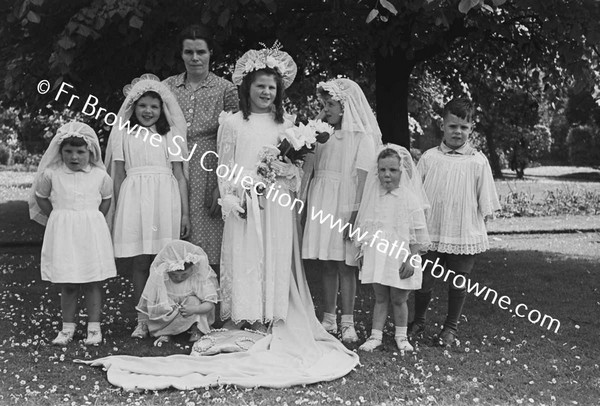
141, 170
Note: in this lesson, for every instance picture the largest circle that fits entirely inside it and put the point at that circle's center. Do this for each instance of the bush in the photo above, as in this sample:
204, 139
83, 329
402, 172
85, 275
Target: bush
556, 202
584, 145
4, 154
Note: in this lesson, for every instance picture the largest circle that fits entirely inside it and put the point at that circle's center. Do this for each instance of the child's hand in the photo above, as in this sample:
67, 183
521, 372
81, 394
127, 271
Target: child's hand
350, 225
283, 168
186, 227
187, 309
406, 270
359, 262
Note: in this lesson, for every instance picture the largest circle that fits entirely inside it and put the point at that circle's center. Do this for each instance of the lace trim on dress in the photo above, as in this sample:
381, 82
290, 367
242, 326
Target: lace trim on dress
460, 249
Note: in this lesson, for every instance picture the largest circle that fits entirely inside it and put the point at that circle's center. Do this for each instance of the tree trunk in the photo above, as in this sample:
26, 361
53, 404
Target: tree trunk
392, 73
493, 155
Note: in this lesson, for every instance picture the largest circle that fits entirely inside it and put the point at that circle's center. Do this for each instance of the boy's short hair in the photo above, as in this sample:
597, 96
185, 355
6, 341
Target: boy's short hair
461, 107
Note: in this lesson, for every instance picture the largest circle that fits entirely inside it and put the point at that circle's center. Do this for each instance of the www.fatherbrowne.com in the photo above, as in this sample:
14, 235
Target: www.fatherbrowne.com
460, 281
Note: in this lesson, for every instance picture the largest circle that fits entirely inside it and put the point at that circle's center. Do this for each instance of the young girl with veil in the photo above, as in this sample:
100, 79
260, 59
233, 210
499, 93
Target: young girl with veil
393, 232
180, 294
256, 255
338, 173
145, 154
262, 278
71, 193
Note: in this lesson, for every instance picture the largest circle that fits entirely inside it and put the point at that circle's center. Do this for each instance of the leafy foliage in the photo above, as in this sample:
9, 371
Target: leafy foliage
100, 45
560, 201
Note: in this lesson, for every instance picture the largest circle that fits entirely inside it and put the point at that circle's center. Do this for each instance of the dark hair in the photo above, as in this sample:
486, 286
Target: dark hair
322, 93
77, 142
245, 92
73, 141
196, 31
162, 125
461, 107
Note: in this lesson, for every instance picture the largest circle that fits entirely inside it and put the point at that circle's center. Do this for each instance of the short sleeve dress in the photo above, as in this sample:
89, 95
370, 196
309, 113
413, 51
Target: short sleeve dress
201, 107
321, 240
77, 246
401, 223
148, 212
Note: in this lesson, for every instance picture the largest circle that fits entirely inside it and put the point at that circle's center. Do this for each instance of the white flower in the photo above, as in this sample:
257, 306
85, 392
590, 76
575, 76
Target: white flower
175, 266
300, 136
320, 126
271, 62
223, 116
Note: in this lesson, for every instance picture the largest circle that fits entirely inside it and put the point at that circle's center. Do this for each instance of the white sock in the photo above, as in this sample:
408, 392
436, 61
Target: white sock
68, 327
348, 319
93, 326
329, 318
377, 334
401, 332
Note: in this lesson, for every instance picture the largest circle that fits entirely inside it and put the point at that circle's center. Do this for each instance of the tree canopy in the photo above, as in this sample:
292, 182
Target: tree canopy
478, 47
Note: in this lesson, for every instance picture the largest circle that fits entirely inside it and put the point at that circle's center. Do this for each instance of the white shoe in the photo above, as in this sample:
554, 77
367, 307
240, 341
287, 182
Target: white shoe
403, 344
371, 344
331, 328
63, 338
93, 338
141, 330
349, 333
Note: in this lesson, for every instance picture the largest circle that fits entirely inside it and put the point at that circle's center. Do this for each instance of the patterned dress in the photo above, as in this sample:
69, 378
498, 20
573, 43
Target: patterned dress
201, 108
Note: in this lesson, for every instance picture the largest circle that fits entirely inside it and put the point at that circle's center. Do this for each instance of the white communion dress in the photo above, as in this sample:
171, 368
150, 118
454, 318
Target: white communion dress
77, 246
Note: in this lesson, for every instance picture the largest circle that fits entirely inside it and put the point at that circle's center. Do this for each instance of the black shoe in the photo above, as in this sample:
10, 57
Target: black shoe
415, 329
446, 338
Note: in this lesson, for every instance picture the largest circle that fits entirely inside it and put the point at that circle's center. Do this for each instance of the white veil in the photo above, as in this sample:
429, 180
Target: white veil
173, 113
358, 121
368, 218
52, 158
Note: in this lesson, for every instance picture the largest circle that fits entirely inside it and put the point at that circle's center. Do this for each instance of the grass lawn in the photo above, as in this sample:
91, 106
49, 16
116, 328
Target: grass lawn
501, 359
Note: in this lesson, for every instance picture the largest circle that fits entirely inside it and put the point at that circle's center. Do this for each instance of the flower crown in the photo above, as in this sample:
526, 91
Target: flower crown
335, 89
145, 83
179, 265
273, 58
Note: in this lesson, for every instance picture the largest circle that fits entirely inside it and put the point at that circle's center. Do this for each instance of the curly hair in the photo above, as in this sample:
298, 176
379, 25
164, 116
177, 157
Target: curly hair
245, 92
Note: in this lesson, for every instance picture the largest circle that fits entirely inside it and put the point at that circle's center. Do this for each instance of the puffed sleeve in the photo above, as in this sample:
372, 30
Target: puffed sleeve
231, 101
366, 153
106, 190
115, 143
44, 185
487, 198
226, 140
208, 291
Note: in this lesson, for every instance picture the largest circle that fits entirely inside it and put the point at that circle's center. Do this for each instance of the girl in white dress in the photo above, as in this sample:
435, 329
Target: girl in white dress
71, 193
180, 294
338, 173
145, 154
256, 255
393, 232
